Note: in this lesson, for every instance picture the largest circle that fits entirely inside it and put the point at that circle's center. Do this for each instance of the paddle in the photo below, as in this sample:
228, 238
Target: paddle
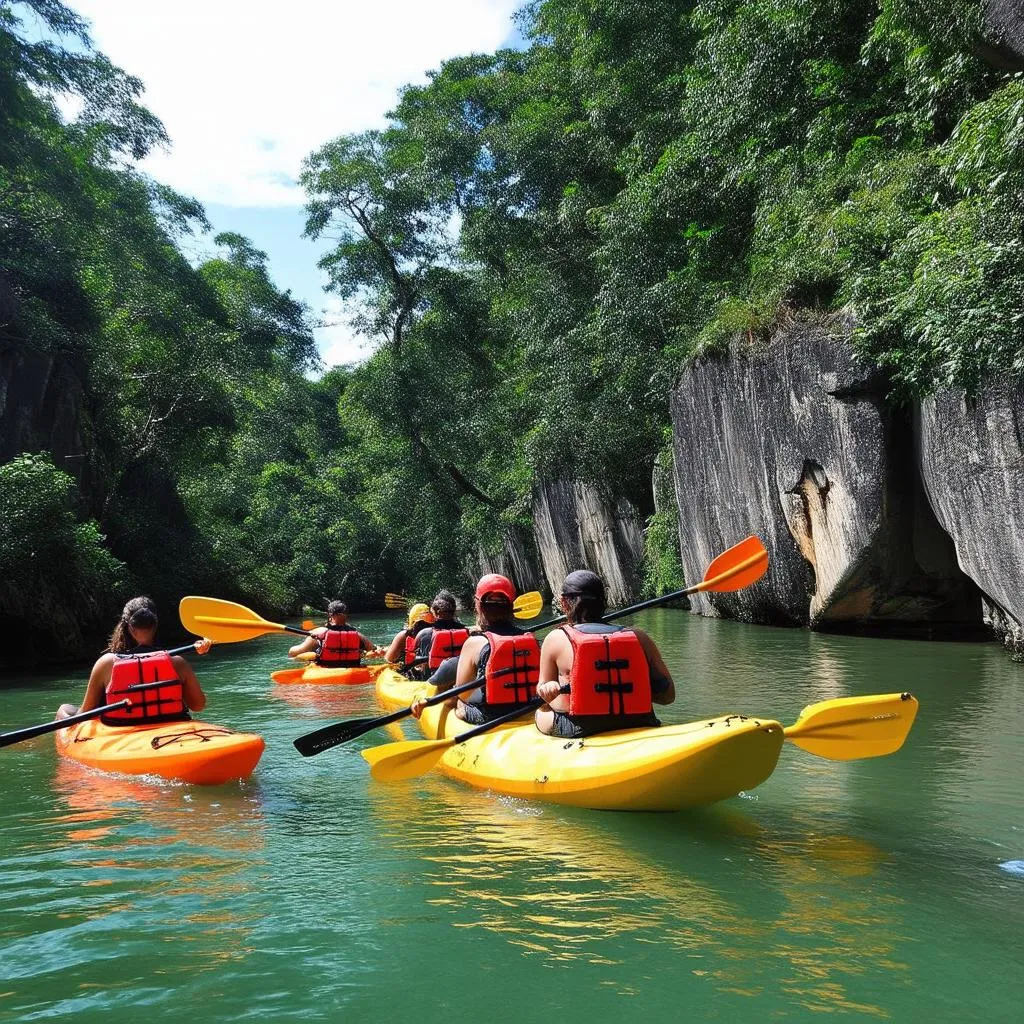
851, 728
227, 622
842, 729
525, 606
331, 735
739, 566
7, 738
18, 735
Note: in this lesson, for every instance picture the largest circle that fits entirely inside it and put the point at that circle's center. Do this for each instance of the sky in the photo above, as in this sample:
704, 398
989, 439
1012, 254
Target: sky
246, 89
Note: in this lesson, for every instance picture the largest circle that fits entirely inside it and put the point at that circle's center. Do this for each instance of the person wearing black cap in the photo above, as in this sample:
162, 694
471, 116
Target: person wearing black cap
337, 644
506, 656
598, 677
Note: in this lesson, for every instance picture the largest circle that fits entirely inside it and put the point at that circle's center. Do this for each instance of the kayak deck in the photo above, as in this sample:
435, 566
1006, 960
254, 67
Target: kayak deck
669, 768
319, 676
188, 751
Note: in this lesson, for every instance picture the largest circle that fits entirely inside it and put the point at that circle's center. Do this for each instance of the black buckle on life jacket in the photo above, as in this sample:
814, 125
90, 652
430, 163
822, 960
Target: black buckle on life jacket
613, 663
613, 687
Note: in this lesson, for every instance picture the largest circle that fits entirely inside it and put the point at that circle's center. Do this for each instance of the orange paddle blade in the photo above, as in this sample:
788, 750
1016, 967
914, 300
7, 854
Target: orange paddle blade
741, 565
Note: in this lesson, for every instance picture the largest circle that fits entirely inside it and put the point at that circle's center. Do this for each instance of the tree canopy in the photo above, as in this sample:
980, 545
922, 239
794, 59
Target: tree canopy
536, 241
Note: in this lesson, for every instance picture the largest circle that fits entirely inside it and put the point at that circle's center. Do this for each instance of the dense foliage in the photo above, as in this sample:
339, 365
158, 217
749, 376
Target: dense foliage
537, 239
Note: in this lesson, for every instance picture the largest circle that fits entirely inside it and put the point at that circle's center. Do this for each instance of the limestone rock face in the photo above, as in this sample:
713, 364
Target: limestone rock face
576, 527
517, 560
40, 408
972, 464
792, 441
1003, 28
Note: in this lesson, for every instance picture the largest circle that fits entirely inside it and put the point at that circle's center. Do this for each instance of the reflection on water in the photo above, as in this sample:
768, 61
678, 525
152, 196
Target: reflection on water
572, 889
862, 890
321, 701
118, 862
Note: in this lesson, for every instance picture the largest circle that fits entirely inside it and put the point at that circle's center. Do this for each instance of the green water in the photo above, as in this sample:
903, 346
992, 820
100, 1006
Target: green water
864, 890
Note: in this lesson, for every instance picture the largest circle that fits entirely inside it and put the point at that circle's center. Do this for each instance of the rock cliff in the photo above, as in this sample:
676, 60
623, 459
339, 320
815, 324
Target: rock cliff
1003, 33
793, 441
972, 465
40, 408
576, 527
517, 559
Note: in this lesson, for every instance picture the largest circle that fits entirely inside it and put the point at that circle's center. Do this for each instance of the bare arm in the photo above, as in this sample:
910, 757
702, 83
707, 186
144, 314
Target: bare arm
309, 644
658, 666
555, 662
396, 650
469, 661
98, 679
195, 699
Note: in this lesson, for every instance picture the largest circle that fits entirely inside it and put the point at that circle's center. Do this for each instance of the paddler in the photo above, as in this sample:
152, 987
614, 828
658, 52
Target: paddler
442, 639
336, 643
132, 660
402, 650
598, 676
507, 656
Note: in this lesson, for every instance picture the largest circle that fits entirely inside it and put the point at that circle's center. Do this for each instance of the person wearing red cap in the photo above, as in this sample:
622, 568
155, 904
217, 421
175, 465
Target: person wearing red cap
505, 657
598, 677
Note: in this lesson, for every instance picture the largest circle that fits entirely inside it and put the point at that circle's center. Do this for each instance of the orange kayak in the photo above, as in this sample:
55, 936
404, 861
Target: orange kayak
318, 676
189, 751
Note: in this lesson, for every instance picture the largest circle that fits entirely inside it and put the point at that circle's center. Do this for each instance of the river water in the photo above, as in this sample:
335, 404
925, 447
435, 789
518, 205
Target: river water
867, 890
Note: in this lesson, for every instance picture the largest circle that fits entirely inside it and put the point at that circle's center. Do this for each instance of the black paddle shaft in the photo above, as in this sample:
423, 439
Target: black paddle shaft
61, 723
331, 735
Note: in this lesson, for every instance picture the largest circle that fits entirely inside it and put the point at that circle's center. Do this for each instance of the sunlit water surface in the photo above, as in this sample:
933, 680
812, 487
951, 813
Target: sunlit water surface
867, 890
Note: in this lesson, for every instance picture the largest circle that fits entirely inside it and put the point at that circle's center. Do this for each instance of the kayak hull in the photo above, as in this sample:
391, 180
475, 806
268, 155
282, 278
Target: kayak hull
190, 751
316, 676
671, 768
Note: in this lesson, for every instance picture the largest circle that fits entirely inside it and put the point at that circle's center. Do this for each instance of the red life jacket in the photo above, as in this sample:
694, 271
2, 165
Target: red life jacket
512, 671
156, 703
410, 648
445, 643
610, 674
411, 635
340, 647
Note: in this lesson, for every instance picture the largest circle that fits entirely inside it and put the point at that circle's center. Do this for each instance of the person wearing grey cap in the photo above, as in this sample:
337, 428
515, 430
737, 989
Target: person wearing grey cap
337, 644
597, 677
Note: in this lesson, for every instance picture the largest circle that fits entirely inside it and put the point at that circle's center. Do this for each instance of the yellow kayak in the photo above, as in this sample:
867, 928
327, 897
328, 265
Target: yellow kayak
670, 768
189, 751
320, 676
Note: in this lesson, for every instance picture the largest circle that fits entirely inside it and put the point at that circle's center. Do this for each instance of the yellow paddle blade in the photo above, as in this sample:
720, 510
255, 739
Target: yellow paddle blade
223, 621
528, 606
741, 565
393, 762
848, 728
306, 656
395, 601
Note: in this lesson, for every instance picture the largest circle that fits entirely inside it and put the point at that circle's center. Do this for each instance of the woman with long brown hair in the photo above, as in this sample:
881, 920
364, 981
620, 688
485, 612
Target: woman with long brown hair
133, 638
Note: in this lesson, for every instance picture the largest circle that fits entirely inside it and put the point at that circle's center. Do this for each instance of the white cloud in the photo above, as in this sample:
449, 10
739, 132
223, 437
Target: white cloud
337, 341
247, 88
